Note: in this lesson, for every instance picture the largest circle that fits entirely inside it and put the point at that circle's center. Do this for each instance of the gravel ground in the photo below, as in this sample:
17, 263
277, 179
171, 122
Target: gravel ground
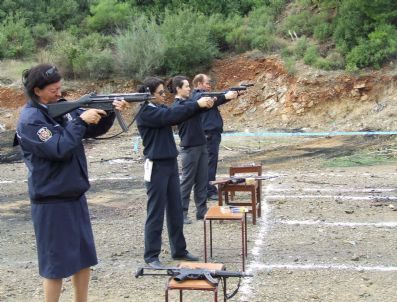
326, 234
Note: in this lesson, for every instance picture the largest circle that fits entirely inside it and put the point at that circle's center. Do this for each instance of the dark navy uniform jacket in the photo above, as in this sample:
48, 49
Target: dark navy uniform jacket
211, 119
190, 131
54, 152
154, 124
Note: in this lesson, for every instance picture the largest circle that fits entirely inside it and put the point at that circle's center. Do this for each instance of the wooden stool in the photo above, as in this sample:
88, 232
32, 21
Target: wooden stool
215, 213
196, 284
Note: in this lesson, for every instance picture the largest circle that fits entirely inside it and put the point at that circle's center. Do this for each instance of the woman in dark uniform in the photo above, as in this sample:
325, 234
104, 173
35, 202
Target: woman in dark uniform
54, 154
161, 168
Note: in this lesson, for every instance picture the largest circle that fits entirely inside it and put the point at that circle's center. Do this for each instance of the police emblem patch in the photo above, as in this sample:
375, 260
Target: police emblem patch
44, 134
68, 116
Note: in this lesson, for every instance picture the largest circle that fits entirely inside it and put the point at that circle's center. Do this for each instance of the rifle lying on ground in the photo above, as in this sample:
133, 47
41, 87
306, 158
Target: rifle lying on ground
98, 101
181, 274
242, 87
238, 180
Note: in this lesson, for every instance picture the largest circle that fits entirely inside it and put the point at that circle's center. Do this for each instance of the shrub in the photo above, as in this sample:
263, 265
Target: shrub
140, 50
301, 47
351, 25
322, 32
43, 34
380, 45
101, 65
16, 40
303, 23
219, 27
82, 58
188, 44
254, 31
108, 15
311, 55
64, 51
289, 64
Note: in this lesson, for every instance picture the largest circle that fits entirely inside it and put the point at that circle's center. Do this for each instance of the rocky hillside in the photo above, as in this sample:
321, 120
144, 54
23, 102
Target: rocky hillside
309, 100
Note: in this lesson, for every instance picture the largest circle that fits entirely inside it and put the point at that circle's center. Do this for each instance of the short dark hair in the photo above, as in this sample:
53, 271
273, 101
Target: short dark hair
39, 76
150, 84
175, 82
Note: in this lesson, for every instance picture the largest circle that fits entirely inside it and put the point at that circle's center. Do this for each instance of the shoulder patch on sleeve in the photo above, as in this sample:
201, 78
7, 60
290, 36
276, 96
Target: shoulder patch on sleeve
44, 134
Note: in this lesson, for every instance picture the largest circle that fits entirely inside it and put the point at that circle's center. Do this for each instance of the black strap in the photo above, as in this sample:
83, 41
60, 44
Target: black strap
128, 127
232, 294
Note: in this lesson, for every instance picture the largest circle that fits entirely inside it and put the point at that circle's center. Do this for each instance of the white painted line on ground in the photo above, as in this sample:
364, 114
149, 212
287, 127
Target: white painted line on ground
361, 175
257, 251
113, 178
391, 224
10, 181
337, 267
351, 190
91, 179
334, 197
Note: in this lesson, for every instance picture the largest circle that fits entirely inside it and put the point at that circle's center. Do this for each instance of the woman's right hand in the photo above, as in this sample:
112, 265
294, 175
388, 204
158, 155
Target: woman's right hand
205, 102
92, 116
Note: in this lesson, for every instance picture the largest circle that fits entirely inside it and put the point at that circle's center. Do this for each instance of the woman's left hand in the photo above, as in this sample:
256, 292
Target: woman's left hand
120, 105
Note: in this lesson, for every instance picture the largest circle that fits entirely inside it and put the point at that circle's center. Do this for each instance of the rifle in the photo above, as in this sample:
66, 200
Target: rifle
242, 87
181, 274
238, 180
98, 101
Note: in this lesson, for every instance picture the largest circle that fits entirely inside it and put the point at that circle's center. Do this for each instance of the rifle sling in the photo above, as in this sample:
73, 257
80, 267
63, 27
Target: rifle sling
128, 127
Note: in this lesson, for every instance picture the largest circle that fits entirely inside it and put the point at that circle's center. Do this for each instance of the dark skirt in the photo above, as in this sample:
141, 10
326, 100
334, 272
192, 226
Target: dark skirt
65, 243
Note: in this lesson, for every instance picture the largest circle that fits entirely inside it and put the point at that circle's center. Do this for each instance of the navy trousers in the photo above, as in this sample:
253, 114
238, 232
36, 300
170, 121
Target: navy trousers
163, 192
213, 142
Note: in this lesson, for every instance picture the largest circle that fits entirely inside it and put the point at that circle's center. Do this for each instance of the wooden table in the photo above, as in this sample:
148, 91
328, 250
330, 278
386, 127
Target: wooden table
215, 213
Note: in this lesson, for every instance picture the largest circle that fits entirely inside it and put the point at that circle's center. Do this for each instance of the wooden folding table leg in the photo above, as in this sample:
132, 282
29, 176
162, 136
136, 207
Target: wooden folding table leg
253, 200
243, 243
205, 240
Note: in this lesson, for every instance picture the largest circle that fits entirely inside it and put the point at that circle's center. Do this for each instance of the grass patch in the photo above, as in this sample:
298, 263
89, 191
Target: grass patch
11, 70
356, 160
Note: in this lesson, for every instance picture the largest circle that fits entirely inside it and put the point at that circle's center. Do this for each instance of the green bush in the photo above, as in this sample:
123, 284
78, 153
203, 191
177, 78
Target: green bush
351, 25
322, 32
289, 64
16, 40
219, 26
140, 50
3, 43
188, 44
301, 47
109, 15
88, 57
257, 30
43, 34
380, 46
311, 55
303, 23
101, 65
64, 51
336, 59
208, 7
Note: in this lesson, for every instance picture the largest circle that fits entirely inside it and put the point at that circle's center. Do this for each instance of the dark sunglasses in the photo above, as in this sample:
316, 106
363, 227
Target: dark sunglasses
51, 71
161, 92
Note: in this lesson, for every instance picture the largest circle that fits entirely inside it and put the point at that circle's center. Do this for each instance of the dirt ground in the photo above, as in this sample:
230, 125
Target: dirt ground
327, 231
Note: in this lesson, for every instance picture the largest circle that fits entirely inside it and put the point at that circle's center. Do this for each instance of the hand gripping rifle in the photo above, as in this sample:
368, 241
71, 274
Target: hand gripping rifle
242, 87
98, 101
181, 274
